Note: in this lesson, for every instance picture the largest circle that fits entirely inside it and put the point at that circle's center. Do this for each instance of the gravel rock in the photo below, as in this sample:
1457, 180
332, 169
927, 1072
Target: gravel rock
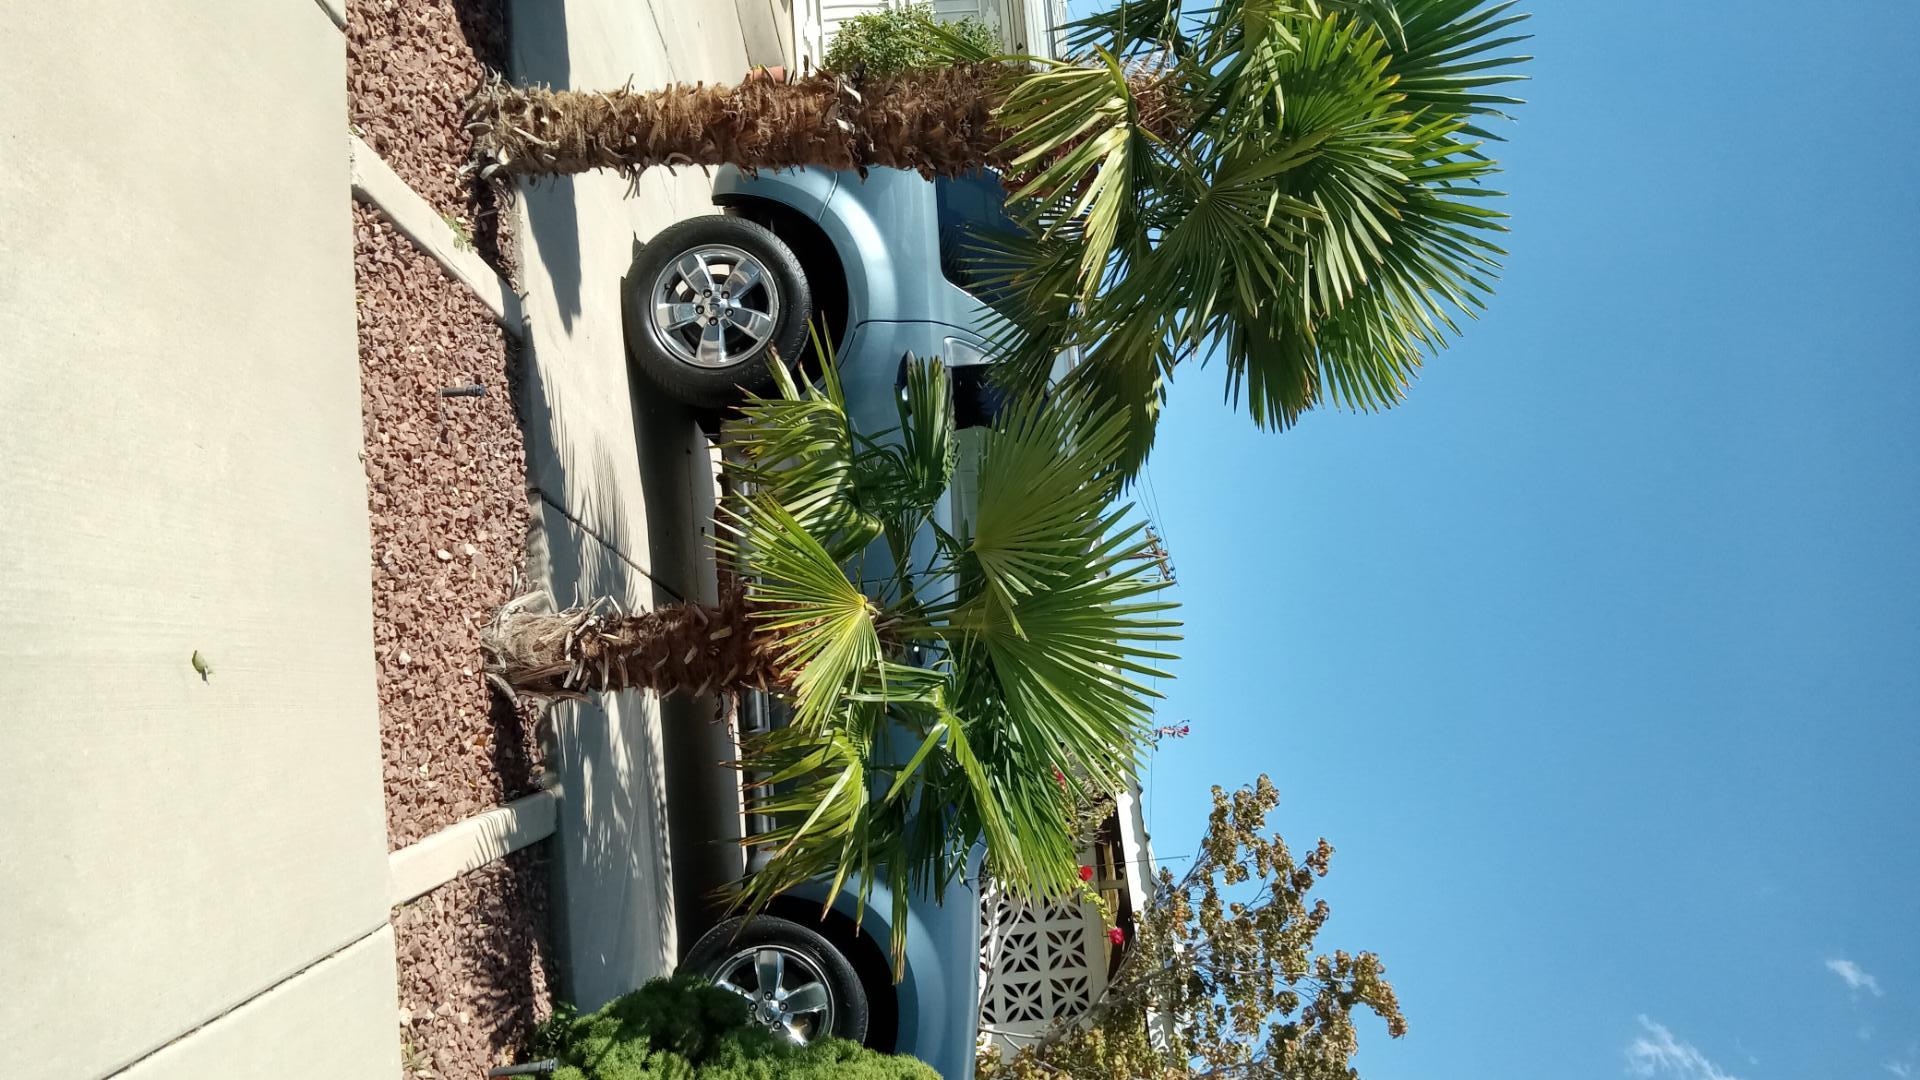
440, 472
476, 966
444, 475
411, 67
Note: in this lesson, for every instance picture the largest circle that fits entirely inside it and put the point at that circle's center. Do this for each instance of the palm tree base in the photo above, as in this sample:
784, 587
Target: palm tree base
685, 648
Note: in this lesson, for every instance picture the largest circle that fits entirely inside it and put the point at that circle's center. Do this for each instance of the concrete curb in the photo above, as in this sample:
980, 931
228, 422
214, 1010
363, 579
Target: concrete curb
336, 10
420, 868
376, 184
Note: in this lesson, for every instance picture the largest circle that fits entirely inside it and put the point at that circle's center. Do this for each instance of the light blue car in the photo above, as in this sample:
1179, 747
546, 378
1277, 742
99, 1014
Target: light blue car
880, 262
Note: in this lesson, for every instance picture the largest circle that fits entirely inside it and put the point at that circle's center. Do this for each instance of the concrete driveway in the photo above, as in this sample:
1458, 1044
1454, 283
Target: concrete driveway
624, 492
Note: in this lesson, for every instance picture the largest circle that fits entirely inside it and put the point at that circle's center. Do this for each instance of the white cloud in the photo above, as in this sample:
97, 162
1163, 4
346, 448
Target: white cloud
1901, 1069
1855, 979
1657, 1053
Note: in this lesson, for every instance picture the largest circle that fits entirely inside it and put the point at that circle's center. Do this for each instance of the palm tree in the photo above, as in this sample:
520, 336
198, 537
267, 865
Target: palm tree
936, 120
1315, 227
1290, 188
979, 666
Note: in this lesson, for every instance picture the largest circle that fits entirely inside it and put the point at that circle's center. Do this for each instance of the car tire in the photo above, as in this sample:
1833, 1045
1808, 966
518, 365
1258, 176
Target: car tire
733, 955
684, 359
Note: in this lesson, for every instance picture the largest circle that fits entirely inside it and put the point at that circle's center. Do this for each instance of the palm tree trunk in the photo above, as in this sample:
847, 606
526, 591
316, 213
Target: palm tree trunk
937, 121
685, 648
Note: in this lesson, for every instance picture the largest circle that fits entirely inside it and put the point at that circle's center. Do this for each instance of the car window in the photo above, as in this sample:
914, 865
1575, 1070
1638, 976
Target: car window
967, 207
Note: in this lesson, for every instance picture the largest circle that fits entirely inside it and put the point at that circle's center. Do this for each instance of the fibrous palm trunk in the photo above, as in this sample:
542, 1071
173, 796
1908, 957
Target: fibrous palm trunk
937, 121
684, 648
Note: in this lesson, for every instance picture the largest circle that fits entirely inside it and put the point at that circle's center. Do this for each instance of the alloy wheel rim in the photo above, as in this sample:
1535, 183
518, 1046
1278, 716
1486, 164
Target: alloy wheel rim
715, 306
786, 991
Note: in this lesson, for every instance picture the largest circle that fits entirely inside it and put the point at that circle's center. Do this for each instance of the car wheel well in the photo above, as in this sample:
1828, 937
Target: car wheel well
868, 959
819, 260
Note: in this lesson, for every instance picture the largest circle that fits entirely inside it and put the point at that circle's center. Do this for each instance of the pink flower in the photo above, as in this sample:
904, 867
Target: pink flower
1117, 936
1086, 873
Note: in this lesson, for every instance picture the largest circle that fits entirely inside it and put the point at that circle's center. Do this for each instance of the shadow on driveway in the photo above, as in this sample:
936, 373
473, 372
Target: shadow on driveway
638, 856
648, 814
539, 55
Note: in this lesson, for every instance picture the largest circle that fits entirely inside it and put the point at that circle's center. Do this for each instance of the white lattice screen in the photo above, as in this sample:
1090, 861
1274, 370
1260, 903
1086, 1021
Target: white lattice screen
1038, 964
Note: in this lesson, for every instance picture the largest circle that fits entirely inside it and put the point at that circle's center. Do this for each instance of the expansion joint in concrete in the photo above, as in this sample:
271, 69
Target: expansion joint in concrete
238, 1005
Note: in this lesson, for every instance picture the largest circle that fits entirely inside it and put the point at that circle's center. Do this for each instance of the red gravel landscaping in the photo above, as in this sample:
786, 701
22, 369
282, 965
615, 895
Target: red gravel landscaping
447, 501
411, 66
474, 975
446, 489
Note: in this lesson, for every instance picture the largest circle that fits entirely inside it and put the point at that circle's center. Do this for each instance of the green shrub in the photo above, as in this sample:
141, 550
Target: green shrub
683, 1028
898, 39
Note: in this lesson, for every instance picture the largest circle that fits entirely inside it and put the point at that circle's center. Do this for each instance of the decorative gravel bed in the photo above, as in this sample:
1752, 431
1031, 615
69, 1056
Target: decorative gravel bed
411, 66
476, 968
446, 490
446, 483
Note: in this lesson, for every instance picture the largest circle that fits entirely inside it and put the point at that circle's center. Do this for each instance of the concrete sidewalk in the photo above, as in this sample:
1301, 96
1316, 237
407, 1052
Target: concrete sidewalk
194, 869
624, 494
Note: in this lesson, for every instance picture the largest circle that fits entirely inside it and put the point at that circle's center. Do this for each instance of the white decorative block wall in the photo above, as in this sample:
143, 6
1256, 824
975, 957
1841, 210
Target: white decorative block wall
1039, 964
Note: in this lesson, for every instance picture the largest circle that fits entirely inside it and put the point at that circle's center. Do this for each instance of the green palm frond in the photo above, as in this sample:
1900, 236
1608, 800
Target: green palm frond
1384, 15
1126, 373
923, 728
1033, 277
815, 787
1080, 141
927, 450
953, 47
826, 625
1401, 258
1450, 64
1128, 27
852, 807
1071, 661
1015, 804
799, 449
1320, 224
1045, 481
902, 479
1063, 616
838, 819
847, 488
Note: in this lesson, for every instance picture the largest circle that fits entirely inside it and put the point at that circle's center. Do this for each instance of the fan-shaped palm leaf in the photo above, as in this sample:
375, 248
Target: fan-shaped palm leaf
1319, 225
926, 727
826, 625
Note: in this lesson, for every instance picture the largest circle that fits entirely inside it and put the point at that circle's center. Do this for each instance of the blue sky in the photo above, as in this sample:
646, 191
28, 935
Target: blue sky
1599, 659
